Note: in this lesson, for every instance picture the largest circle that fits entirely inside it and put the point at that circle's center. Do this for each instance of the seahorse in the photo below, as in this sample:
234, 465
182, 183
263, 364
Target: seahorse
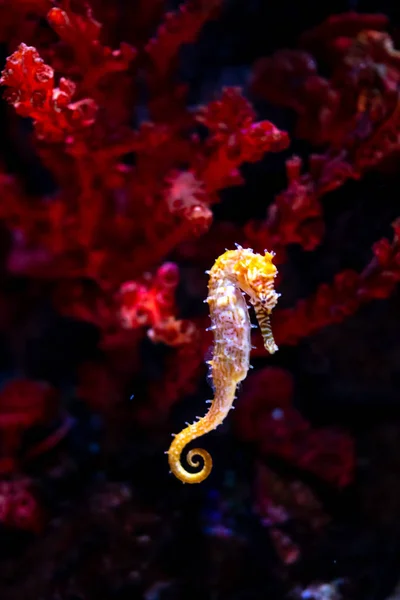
235, 273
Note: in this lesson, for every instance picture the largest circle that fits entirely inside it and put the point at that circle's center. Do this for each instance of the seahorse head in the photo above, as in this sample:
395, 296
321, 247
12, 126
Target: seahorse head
255, 275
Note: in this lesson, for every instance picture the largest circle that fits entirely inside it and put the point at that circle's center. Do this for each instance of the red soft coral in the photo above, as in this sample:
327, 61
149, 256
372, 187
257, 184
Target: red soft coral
266, 417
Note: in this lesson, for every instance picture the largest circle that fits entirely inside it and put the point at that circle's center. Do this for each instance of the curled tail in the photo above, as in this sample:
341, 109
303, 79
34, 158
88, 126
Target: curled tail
210, 421
181, 440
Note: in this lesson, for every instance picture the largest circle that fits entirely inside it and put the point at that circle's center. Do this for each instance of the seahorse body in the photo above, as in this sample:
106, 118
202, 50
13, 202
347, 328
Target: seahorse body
234, 272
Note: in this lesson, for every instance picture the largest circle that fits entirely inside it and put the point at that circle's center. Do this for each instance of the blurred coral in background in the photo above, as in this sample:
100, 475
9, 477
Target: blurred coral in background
139, 140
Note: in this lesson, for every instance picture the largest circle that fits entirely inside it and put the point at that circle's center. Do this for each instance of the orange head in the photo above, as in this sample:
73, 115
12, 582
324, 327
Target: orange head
255, 275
